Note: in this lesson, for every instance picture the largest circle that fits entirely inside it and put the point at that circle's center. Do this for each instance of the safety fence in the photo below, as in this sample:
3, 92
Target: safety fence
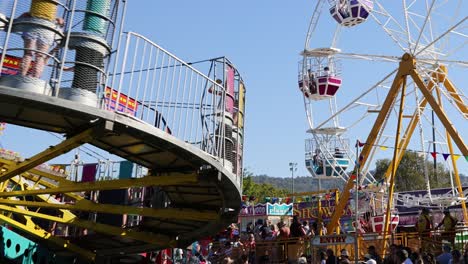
290, 250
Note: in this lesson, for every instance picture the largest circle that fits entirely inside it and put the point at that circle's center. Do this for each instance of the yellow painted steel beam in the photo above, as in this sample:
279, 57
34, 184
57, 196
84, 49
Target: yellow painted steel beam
48, 185
109, 185
455, 168
454, 92
47, 236
48, 154
88, 206
379, 122
440, 113
391, 187
405, 140
147, 237
9, 164
66, 214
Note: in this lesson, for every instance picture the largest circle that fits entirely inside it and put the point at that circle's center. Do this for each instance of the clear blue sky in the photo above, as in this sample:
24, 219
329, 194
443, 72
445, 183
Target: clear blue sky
263, 39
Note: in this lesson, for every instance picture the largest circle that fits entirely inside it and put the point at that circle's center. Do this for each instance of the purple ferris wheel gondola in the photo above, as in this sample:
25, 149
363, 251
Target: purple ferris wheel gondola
351, 12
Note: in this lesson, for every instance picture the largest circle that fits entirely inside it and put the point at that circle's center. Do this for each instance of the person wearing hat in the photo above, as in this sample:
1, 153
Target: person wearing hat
368, 259
344, 258
424, 227
449, 222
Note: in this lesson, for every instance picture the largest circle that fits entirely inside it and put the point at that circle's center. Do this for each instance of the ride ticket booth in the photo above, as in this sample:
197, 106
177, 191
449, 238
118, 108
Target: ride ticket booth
333, 242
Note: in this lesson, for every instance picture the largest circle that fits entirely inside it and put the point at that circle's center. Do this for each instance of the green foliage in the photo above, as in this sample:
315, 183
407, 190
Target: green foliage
262, 186
410, 173
260, 190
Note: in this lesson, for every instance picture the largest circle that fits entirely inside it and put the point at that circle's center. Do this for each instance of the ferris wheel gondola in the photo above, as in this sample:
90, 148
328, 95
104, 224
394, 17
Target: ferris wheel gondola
350, 13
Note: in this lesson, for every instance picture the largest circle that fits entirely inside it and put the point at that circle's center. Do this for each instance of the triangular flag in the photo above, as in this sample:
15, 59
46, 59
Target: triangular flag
383, 147
445, 155
456, 157
434, 154
360, 144
361, 157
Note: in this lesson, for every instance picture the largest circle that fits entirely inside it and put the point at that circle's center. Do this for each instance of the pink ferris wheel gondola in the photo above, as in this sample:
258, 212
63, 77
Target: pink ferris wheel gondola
319, 77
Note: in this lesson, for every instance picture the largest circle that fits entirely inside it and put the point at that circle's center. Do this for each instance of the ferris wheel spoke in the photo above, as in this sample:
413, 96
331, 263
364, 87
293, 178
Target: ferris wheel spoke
369, 57
426, 21
447, 32
353, 102
390, 25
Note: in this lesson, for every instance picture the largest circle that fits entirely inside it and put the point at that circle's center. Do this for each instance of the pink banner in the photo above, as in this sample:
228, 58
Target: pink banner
230, 90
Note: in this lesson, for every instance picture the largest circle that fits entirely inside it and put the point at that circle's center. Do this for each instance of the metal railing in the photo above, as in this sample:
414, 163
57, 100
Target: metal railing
138, 78
158, 88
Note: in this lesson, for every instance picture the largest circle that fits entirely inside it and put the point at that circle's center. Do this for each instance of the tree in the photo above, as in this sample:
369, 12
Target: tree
260, 191
410, 173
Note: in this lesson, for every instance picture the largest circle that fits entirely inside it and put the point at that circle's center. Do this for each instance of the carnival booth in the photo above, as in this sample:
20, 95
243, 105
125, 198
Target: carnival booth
272, 212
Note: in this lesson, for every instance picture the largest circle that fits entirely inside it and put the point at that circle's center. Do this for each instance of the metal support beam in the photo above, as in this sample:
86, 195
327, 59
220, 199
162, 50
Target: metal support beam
47, 236
109, 185
391, 186
378, 125
147, 237
88, 206
455, 168
48, 154
46, 184
454, 93
405, 140
440, 113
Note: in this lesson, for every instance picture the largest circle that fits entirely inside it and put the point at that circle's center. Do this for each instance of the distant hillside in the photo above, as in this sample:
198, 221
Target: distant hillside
301, 184
308, 184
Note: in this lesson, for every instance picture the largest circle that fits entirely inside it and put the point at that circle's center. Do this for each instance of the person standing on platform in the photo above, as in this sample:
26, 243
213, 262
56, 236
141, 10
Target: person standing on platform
424, 227
38, 39
449, 223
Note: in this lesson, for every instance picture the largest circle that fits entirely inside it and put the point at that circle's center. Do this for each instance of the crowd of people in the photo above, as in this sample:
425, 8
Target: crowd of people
267, 242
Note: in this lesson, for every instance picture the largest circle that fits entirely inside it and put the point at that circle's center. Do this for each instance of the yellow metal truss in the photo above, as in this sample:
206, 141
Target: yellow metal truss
407, 68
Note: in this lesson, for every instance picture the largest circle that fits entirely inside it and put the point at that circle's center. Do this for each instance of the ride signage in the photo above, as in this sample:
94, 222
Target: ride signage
120, 102
279, 209
257, 210
332, 240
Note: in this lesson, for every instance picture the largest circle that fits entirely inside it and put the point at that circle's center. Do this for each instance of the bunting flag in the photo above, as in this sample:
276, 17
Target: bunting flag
360, 144
445, 156
433, 154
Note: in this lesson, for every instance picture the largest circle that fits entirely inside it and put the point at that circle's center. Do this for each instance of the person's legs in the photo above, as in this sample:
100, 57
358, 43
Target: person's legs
41, 58
29, 45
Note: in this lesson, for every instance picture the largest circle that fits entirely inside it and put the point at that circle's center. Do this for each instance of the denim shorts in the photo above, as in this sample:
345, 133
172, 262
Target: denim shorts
42, 36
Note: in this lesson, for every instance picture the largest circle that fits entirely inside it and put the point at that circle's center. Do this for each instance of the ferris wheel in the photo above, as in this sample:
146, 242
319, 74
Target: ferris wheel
373, 76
